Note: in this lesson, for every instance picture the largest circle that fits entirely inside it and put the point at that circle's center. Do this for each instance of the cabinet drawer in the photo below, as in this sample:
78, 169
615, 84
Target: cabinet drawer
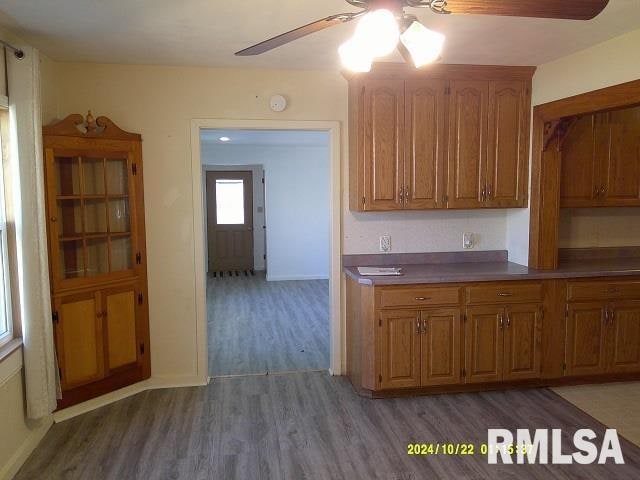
411, 297
505, 293
603, 290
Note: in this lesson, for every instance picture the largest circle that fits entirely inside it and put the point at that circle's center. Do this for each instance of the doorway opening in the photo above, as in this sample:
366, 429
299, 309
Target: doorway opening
267, 206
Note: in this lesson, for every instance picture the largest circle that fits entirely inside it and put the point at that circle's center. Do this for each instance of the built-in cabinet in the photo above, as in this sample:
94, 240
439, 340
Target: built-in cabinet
97, 261
601, 160
470, 336
453, 137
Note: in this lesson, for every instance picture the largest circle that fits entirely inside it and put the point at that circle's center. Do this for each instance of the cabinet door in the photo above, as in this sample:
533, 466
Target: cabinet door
425, 143
120, 306
484, 344
586, 339
400, 349
79, 339
507, 160
625, 337
440, 351
523, 327
467, 151
579, 184
383, 144
620, 172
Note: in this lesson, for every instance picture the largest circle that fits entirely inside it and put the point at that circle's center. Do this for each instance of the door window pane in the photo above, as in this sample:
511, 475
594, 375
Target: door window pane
72, 259
229, 202
97, 257
67, 176
95, 216
70, 218
121, 253
119, 215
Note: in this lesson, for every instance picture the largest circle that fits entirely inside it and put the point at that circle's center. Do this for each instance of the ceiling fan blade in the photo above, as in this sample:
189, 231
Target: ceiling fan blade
566, 9
298, 33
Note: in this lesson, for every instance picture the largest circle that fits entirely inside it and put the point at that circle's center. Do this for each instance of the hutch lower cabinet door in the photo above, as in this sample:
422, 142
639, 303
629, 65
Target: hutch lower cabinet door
586, 338
440, 352
484, 344
624, 332
522, 342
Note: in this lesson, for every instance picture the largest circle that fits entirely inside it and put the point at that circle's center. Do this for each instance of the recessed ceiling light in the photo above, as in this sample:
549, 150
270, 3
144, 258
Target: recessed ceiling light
224, 139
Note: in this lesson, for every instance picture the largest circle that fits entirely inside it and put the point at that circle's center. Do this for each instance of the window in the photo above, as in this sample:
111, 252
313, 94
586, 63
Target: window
6, 330
230, 202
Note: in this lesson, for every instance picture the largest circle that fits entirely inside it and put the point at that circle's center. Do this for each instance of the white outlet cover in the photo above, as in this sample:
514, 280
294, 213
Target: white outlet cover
385, 243
278, 103
468, 240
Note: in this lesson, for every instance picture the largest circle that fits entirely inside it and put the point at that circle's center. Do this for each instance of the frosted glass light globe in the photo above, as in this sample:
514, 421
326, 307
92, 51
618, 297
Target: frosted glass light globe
379, 32
355, 56
424, 45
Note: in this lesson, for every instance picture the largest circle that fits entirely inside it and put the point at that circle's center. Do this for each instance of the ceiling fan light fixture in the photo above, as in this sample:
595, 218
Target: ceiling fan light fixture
424, 45
378, 31
355, 56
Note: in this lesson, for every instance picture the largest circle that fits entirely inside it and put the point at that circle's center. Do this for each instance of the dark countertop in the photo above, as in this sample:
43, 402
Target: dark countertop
496, 271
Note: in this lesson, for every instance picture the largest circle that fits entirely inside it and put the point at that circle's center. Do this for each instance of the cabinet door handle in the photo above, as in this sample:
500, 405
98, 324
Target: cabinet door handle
418, 327
612, 316
501, 321
483, 194
424, 326
505, 294
606, 315
602, 191
489, 192
596, 193
407, 192
401, 194
508, 320
422, 299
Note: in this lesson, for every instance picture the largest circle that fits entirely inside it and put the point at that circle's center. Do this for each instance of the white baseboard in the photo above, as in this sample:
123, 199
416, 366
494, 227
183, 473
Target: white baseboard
152, 383
9, 470
279, 278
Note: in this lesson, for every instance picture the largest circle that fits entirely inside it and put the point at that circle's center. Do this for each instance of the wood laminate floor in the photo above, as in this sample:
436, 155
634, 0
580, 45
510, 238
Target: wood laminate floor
257, 326
305, 426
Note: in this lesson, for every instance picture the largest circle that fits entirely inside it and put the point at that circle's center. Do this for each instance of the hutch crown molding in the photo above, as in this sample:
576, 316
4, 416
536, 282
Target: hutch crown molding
449, 136
97, 255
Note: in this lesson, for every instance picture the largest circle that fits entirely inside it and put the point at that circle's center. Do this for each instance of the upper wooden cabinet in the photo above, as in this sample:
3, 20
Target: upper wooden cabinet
601, 160
451, 136
97, 261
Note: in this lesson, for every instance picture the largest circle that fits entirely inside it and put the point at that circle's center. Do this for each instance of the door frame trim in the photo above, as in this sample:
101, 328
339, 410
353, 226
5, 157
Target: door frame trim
337, 313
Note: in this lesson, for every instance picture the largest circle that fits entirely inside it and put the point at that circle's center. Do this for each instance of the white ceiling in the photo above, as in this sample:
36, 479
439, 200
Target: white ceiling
208, 32
265, 138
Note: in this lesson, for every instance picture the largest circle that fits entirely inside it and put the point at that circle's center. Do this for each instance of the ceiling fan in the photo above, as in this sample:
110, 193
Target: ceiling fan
384, 26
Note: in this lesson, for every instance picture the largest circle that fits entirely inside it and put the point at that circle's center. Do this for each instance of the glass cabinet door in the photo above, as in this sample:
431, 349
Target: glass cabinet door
93, 206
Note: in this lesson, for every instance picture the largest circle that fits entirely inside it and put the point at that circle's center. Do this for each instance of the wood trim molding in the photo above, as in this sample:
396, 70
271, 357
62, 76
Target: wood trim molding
550, 125
75, 125
446, 71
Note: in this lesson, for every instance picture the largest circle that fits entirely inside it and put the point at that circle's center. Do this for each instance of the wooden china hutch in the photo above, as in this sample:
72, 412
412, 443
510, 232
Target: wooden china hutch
97, 259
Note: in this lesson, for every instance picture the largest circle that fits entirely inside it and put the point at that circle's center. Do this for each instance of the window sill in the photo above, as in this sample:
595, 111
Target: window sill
10, 359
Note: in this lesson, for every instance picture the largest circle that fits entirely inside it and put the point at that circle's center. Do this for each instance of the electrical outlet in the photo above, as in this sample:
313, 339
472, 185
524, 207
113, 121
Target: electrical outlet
385, 243
468, 240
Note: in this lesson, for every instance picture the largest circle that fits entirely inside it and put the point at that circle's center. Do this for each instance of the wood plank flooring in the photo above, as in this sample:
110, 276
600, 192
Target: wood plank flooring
257, 326
304, 426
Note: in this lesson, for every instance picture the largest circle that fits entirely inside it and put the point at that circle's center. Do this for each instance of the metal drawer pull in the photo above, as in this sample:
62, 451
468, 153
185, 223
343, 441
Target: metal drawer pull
422, 299
505, 294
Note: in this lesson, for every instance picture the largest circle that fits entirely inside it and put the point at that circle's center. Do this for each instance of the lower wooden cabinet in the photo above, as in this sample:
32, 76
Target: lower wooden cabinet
98, 334
603, 337
419, 348
484, 344
523, 342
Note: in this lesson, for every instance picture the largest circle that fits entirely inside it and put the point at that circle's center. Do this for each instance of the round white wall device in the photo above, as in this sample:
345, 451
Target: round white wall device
278, 103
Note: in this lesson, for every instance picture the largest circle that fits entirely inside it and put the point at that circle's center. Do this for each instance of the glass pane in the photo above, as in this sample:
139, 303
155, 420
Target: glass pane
117, 178
93, 176
67, 176
70, 218
229, 202
120, 253
97, 256
95, 216
71, 259
119, 215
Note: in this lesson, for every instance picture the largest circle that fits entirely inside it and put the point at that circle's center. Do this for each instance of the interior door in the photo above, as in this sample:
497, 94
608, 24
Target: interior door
440, 349
230, 220
522, 336
467, 152
383, 144
400, 349
579, 184
484, 344
621, 166
79, 339
586, 339
507, 159
625, 337
425, 143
